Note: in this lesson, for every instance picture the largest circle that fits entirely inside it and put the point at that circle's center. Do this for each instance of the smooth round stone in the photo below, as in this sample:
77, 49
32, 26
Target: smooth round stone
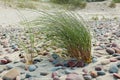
113, 60
56, 78
105, 62
100, 73
118, 64
56, 68
93, 74
118, 57
98, 68
74, 77
68, 71
44, 73
9, 66
116, 75
55, 56
116, 50
116, 54
3, 61
28, 75
113, 69
85, 70
110, 51
87, 77
54, 74
94, 59
32, 68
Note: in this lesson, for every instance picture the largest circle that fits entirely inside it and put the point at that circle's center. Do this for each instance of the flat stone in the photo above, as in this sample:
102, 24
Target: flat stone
100, 73
105, 62
43, 73
74, 77
113, 60
98, 68
113, 69
11, 74
116, 75
110, 51
93, 74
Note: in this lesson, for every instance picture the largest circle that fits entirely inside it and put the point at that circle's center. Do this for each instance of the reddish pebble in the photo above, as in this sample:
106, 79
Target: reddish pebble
113, 60
116, 75
54, 74
4, 61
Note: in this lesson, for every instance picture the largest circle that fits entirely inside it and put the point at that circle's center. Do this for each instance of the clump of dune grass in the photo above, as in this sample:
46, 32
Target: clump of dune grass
116, 1
70, 31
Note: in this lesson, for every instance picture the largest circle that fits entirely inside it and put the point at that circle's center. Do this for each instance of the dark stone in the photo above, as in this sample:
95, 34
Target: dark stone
98, 68
28, 75
100, 73
110, 51
55, 56
44, 73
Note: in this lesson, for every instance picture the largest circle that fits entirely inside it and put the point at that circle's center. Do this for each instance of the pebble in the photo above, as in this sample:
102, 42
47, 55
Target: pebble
110, 51
28, 75
54, 74
113, 60
115, 54
9, 66
87, 77
56, 78
56, 68
94, 59
116, 50
43, 73
74, 77
118, 64
68, 71
118, 57
11, 74
55, 56
100, 73
113, 69
32, 68
116, 75
98, 68
105, 62
93, 74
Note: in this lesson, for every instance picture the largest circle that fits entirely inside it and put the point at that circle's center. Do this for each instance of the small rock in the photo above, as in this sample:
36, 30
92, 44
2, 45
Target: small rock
56, 68
28, 75
118, 57
116, 75
118, 64
54, 74
94, 59
4, 61
100, 73
32, 68
113, 60
9, 66
93, 74
11, 75
68, 71
105, 62
110, 51
116, 50
56, 78
55, 56
85, 70
43, 73
87, 77
98, 68
116, 54
113, 69
74, 77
